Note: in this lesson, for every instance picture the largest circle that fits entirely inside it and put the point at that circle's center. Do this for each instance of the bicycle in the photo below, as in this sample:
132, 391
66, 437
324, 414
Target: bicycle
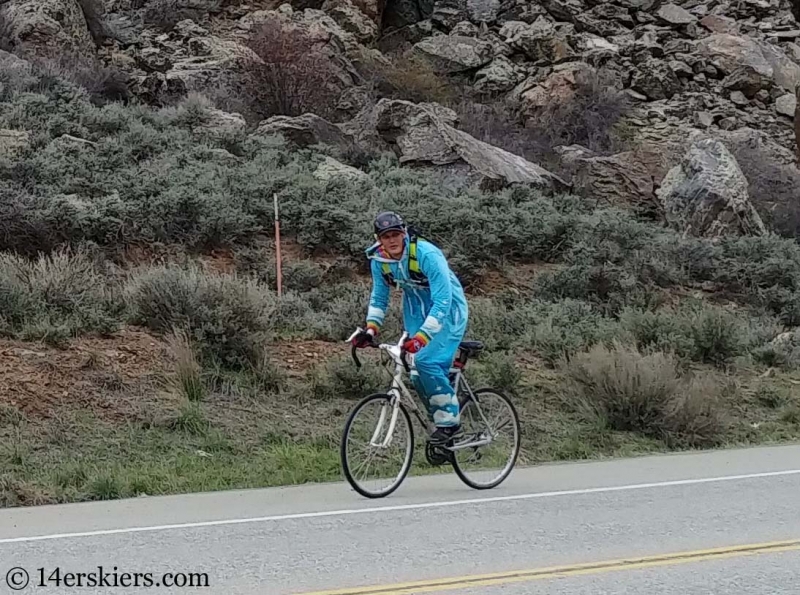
394, 404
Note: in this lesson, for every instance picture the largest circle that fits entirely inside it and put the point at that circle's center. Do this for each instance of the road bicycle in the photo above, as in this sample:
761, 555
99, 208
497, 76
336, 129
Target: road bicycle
380, 421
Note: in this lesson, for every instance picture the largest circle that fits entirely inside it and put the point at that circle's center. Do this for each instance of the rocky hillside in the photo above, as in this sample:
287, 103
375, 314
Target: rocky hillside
606, 179
645, 78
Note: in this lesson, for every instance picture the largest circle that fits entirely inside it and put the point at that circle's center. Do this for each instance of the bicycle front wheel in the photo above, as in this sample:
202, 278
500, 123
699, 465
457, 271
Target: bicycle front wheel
377, 446
492, 424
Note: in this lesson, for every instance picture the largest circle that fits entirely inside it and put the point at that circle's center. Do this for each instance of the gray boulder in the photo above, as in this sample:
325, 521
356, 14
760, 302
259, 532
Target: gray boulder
671, 14
483, 11
455, 53
47, 29
424, 134
564, 10
656, 80
621, 180
306, 130
331, 169
350, 18
751, 60
706, 194
606, 20
541, 42
499, 76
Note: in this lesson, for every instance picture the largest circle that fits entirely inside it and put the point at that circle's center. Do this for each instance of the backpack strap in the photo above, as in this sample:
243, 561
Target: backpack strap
387, 274
414, 270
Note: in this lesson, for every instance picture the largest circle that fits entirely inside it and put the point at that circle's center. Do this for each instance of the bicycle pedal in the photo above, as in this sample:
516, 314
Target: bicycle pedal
436, 456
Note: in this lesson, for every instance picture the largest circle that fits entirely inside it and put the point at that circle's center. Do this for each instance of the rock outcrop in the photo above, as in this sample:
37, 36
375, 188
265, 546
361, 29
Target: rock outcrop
46, 29
331, 169
622, 180
706, 194
425, 134
691, 69
305, 131
455, 53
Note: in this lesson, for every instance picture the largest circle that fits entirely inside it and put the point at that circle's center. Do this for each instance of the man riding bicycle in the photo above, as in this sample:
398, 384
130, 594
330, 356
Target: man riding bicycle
435, 314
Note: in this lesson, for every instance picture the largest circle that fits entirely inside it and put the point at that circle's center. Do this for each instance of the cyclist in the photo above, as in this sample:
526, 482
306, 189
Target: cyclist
435, 313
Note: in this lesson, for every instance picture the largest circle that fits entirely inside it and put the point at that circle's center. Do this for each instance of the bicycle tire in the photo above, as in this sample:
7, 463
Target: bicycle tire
343, 448
517, 446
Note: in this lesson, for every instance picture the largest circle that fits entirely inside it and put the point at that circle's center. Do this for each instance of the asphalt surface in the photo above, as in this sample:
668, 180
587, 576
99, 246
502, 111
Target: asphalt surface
600, 527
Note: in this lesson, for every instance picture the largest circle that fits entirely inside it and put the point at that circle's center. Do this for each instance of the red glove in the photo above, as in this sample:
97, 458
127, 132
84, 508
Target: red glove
413, 345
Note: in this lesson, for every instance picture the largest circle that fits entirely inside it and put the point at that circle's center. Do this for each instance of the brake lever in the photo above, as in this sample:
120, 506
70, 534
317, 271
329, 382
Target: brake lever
403, 359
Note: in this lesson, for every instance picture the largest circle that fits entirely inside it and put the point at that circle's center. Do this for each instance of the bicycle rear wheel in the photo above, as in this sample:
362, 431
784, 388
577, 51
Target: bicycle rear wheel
487, 466
373, 469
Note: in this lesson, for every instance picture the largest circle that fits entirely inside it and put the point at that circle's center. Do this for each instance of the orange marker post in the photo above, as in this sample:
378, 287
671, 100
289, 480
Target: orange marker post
278, 245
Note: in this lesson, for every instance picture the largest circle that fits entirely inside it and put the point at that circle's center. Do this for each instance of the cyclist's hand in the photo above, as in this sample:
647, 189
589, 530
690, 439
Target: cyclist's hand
363, 339
413, 345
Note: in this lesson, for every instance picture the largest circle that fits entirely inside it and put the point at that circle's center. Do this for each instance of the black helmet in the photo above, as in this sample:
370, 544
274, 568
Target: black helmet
387, 221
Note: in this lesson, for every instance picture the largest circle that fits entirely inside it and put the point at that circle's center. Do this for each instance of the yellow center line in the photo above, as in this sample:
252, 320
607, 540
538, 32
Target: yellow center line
518, 576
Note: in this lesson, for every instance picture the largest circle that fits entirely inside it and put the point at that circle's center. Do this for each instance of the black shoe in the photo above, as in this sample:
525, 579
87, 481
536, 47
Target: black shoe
444, 435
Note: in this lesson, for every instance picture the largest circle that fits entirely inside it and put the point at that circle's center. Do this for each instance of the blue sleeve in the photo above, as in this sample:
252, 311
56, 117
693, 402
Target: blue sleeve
434, 266
379, 300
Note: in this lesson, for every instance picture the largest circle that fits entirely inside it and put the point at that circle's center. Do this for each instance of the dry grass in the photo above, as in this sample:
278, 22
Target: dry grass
187, 379
408, 77
631, 392
103, 83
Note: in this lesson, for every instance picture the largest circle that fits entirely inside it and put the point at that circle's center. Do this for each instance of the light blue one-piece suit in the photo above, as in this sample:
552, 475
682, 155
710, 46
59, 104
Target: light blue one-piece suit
438, 313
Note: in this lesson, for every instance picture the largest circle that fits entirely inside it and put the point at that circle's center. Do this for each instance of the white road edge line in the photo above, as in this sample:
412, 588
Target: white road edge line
400, 507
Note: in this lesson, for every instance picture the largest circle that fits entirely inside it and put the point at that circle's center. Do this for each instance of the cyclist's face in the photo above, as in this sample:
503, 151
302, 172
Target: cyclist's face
392, 242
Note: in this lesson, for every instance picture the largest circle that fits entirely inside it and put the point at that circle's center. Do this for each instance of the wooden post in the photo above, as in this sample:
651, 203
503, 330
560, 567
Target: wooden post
278, 245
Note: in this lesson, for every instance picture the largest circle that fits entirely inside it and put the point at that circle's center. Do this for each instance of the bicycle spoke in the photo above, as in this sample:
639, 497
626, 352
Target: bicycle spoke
374, 468
486, 464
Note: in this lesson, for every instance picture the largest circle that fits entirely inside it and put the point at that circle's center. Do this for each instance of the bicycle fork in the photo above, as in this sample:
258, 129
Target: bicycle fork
382, 419
394, 403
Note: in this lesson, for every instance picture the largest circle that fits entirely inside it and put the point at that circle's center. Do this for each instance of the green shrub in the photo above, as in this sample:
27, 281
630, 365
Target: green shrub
699, 332
564, 328
339, 378
765, 272
629, 391
227, 316
497, 370
55, 297
551, 330
781, 352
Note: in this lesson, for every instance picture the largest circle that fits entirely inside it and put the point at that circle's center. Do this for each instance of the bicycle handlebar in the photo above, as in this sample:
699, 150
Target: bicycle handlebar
405, 363
355, 357
354, 350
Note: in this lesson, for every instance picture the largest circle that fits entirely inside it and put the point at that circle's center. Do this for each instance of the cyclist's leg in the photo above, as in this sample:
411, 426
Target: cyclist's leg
420, 388
432, 379
433, 385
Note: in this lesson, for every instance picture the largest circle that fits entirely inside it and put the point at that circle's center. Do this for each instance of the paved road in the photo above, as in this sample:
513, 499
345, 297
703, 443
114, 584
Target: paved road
722, 522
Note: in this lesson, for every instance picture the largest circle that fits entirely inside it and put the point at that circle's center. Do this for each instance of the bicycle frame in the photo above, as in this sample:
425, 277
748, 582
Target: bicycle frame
398, 390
